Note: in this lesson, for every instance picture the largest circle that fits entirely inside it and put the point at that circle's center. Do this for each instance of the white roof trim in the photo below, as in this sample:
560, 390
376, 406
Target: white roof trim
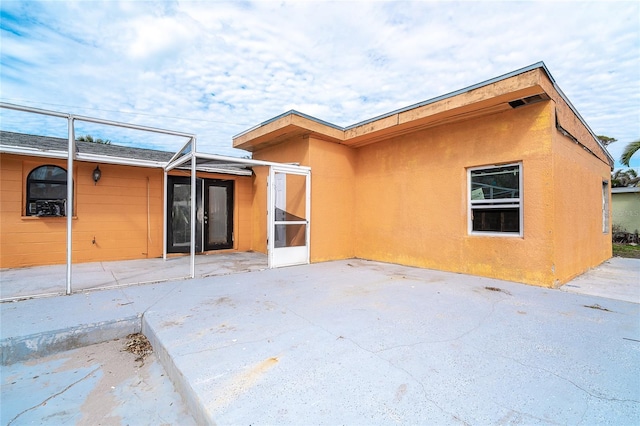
625, 189
93, 158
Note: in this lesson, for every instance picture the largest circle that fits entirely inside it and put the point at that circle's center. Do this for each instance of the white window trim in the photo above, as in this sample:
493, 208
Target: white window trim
515, 202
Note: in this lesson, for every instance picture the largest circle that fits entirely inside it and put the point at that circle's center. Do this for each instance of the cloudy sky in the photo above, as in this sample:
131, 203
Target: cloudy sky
218, 68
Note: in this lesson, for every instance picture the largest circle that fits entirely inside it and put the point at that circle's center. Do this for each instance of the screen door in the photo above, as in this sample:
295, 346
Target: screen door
289, 210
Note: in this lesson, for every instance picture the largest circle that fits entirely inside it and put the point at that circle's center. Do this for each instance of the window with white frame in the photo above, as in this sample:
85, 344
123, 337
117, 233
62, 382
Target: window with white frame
495, 199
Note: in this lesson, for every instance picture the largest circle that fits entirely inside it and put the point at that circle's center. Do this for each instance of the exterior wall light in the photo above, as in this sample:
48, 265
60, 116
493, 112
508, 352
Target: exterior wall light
97, 174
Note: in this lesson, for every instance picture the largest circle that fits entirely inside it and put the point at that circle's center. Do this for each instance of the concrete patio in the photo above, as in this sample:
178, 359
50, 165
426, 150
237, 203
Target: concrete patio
42, 281
360, 342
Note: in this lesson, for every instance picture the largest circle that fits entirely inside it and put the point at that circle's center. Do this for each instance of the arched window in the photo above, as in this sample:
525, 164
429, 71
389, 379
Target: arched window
47, 191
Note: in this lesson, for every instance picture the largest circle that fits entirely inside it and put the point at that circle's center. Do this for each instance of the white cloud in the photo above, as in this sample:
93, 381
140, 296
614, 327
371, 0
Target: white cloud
218, 68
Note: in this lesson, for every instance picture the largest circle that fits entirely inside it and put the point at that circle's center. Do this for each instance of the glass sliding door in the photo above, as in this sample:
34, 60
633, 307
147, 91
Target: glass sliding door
218, 215
179, 215
214, 214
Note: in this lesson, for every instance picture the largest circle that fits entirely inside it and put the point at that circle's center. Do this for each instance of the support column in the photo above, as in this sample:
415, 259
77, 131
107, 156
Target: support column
71, 154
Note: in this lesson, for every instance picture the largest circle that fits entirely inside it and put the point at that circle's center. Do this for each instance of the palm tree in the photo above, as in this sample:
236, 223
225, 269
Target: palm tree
624, 178
629, 150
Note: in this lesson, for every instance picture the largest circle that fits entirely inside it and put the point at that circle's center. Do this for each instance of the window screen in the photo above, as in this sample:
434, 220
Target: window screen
495, 199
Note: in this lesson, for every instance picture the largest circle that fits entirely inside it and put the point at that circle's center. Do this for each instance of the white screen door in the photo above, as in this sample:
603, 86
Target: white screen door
289, 210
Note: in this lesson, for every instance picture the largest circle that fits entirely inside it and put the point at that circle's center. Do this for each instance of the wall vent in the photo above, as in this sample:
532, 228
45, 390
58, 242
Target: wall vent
529, 100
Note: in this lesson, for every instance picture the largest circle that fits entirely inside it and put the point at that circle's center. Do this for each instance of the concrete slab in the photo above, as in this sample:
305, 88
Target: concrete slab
362, 342
617, 278
51, 280
365, 342
96, 384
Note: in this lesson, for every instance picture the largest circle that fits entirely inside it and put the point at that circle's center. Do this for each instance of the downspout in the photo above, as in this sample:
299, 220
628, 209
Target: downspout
71, 152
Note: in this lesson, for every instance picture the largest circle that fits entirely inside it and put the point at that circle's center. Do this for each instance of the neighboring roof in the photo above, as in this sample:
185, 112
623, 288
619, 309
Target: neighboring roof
48, 143
490, 96
52, 147
625, 189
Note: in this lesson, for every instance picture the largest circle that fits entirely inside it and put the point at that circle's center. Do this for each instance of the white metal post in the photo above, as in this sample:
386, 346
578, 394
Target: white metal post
270, 216
71, 151
193, 210
165, 204
308, 215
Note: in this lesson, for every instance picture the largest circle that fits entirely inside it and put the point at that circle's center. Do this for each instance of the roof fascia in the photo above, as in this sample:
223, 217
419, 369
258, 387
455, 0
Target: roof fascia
238, 172
250, 161
452, 94
625, 189
404, 109
93, 158
289, 113
538, 65
32, 152
577, 114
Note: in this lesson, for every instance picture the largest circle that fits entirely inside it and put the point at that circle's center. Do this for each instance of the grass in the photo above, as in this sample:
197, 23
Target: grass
626, 250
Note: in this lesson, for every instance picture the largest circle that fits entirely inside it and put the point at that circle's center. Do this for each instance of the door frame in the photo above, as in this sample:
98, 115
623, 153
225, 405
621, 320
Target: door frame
230, 187
182, 180
202, 197
287, 256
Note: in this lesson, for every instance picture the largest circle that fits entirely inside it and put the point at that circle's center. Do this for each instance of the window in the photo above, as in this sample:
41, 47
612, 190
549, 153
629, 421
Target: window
495, 199
605, 206
47, 191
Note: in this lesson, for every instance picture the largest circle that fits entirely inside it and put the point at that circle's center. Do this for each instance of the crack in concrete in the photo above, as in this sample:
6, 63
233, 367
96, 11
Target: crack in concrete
375, 353
586, 391
53, 396
245, 342
505, 419
452, 339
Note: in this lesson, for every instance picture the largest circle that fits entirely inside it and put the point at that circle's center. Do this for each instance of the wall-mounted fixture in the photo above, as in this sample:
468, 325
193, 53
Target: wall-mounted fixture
97, 174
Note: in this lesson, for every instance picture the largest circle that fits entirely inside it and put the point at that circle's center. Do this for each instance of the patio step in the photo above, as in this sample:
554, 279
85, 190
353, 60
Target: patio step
44, 343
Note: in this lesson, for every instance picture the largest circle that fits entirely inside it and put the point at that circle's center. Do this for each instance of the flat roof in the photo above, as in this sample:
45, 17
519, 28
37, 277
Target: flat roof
520, 83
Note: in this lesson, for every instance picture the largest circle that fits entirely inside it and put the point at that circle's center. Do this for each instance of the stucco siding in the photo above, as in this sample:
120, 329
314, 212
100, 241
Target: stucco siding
295, 150
411, 197
332, 201
579, 240
119, 218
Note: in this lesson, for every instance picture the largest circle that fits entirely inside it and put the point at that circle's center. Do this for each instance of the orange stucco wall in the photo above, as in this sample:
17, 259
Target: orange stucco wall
411, 197
332, 199
294, 151
579, 240
404, 199
333, 171
122, 213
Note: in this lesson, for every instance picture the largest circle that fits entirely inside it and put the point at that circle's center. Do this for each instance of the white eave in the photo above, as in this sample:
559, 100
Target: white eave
93, 158
625, 189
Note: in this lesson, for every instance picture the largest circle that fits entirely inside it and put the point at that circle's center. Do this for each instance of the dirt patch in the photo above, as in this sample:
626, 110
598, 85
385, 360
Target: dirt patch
111, 383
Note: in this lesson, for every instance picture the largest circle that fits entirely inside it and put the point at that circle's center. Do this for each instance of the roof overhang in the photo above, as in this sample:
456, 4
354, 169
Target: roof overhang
94, 158
488, 97
182, 159
625, 189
